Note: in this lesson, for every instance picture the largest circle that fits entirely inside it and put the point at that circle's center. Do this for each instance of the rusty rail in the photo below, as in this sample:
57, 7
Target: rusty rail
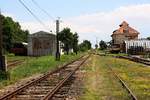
123, 83
136, 59
34, 81
50, 94
16, 62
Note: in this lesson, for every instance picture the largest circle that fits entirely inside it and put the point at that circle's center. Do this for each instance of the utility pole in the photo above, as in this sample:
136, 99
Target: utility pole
57, 40
3, 67
96, 45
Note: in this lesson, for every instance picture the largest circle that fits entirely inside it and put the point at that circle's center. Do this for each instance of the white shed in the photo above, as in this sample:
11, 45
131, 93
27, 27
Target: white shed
137, 43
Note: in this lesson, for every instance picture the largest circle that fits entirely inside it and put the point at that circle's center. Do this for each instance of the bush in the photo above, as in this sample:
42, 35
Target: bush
4, 75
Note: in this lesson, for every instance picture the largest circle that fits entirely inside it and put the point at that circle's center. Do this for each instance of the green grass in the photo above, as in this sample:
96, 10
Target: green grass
35, 65
100, 84
137, 76
119, 54
12, 57
110, 54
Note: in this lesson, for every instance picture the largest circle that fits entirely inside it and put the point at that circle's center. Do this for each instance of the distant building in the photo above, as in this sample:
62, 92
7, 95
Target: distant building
124, 33
41, 43
140, 45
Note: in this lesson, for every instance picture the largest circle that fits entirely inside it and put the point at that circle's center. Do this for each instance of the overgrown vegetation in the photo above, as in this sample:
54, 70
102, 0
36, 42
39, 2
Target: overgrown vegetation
135, 75
33, 66
100, 84
69, 40
85, 45
12, 32
102, 45
11, 57
148, 38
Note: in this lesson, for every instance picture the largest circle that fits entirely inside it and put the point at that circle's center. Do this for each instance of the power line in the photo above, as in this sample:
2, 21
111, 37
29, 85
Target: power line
42, 9
32, 13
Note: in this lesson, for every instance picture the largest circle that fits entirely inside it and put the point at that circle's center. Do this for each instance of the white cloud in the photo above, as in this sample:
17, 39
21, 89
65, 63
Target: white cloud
102, 24
8, 14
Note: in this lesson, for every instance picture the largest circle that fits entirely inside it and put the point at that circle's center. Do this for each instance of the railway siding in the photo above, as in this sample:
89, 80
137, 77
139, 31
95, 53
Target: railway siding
135, 75
100, 83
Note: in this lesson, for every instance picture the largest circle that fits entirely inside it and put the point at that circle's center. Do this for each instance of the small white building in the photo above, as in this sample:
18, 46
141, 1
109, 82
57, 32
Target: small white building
145, 44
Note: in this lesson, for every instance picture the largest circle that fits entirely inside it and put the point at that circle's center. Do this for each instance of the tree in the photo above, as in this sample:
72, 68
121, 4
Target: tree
85, 45
66, 36
12, 33
102, 45
96, 46
75, 42
148, 38
110, 43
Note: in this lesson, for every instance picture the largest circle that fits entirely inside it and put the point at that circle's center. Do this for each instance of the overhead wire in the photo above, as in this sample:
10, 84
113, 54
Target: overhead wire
43, 9
28, 9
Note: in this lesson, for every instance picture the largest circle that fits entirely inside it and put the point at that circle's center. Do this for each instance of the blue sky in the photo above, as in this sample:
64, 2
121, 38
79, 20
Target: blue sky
90, 18
64, 8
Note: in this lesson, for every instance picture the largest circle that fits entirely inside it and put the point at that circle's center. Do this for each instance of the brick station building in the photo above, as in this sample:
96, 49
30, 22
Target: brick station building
124, 33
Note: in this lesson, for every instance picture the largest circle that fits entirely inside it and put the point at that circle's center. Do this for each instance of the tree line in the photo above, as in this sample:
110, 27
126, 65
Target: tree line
12, 33
70, 41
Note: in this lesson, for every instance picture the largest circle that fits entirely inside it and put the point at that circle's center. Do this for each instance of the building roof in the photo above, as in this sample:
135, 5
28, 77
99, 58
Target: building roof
41, 34
126, 30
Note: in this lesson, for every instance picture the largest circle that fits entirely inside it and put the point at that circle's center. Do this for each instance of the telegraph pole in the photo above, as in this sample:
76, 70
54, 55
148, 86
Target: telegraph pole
96, 45
57, 40
3, 67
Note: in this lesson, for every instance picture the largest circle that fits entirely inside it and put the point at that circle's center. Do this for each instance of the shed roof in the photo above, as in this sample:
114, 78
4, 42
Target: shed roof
41, 34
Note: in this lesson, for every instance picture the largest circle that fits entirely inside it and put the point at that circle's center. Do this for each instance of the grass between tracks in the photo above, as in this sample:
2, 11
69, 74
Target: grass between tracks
12, 57
100, 84
35, 65
136, 76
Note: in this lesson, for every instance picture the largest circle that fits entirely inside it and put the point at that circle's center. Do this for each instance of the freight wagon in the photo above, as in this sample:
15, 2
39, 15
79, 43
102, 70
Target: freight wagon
19, 49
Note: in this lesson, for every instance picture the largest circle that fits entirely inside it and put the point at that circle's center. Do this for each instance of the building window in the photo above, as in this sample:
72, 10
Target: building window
125, 31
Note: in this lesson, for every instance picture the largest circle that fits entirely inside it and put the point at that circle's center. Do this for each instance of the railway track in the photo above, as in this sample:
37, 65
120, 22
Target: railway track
136, 59
125, 86
15, 62
50, 86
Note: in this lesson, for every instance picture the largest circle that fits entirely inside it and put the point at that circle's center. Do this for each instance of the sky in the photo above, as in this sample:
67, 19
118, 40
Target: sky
91, 19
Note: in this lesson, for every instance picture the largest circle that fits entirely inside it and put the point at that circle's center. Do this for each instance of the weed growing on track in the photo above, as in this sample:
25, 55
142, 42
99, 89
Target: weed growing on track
136, 76
100, 84
33, 66
12, 57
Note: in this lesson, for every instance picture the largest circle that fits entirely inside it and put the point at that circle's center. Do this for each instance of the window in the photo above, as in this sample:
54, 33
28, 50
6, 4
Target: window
125, 31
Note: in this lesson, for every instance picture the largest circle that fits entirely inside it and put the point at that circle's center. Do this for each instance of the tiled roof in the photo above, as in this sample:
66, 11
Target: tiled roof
125, 29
